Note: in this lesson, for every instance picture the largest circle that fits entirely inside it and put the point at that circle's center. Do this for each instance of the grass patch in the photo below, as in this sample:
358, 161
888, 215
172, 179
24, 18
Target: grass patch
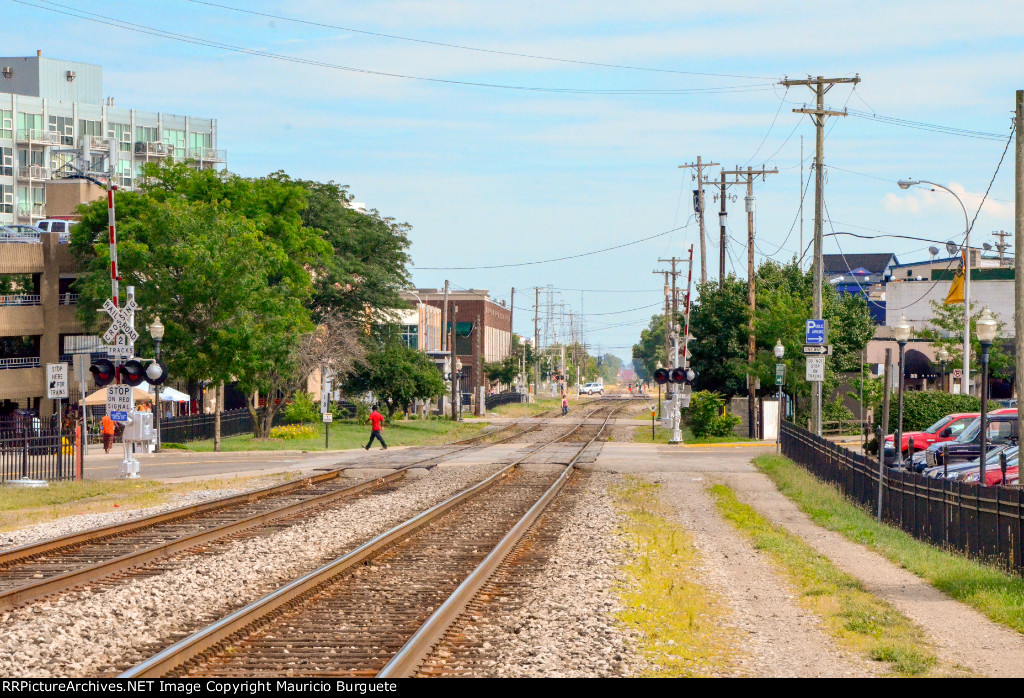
528, 409
24, 506
855, 617
997, 594
642, 435
346, 435
677, 620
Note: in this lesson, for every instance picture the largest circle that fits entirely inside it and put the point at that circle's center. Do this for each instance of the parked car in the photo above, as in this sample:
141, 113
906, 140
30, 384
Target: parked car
993, 471
591, 388
1002, 428
946, 429
957, 471
57, 225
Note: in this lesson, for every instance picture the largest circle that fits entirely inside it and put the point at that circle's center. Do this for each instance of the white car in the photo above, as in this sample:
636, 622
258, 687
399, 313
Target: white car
57, 225
591, 388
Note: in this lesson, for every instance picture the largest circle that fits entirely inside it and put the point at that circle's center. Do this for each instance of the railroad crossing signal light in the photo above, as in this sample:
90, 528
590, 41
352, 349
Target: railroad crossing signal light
133, 372
678, 375
103, 372
156, 372
661, 376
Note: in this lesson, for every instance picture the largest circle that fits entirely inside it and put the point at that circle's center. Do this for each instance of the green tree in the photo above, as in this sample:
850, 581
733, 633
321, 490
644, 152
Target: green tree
718, 322
503, 372
609, 368
396, 375
949, 321
369, 265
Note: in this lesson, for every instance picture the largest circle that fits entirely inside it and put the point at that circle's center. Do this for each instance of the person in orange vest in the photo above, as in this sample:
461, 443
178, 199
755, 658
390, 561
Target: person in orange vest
108, 433
375, 426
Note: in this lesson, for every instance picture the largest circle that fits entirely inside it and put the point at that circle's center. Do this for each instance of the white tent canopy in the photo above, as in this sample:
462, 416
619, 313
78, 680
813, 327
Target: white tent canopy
167, 394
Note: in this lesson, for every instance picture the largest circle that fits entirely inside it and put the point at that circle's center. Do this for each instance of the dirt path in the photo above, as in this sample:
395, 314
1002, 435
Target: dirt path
778, 637
961, 634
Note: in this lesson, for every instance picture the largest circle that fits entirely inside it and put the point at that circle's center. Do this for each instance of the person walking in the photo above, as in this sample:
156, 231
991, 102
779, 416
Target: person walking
565, 405
375, 426
108, 433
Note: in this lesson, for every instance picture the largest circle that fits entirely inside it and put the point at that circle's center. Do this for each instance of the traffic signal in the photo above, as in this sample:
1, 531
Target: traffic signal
103, 372
133, 372
156, 372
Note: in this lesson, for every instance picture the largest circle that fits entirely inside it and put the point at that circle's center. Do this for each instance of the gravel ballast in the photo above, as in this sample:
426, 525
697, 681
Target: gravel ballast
85, 633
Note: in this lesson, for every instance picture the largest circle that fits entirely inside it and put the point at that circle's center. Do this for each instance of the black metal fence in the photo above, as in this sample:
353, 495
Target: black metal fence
983, 522
36, 453
196, 427
506, 398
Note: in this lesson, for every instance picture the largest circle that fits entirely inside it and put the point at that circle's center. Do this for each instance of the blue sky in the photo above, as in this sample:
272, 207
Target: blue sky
496, 176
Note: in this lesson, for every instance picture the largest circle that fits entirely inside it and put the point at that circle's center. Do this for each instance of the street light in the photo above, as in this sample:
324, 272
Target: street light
966, 378
156, 331
780, 351
902, 330
943, 356
986, 329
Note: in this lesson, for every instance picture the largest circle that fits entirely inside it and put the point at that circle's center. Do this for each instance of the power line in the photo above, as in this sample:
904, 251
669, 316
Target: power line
152, 31
474, 48
923, 126
556, 259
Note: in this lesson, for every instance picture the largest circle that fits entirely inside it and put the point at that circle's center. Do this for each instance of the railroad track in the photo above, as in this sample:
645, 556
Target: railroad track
379, 609
33, 571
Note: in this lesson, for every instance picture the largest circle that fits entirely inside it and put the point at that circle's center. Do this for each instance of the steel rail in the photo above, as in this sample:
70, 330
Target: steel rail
268, 606
408, 659
13, 597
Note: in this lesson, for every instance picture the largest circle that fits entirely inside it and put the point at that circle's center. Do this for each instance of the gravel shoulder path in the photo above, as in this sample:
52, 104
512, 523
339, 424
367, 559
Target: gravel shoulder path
961, 635
91, 632
780, 638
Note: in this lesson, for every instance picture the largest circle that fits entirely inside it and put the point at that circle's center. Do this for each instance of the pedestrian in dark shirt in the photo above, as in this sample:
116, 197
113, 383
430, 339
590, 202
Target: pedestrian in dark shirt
375, 426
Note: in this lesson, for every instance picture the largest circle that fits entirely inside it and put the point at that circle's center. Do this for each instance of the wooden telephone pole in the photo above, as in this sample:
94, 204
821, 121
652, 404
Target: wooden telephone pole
698, 206
748, 176
668, 310
819, 115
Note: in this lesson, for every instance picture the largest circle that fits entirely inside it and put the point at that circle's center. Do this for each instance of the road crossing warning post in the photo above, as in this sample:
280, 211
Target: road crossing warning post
326, 378
816, 336
57, 389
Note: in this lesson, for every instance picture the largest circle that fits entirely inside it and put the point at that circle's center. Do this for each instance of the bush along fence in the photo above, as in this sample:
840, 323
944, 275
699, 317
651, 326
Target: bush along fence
196, 427
982, 522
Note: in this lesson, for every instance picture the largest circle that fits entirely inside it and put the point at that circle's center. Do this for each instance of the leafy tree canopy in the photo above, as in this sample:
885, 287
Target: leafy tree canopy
396, 375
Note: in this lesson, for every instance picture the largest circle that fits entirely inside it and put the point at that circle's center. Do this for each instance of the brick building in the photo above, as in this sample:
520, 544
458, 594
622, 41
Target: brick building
483, 328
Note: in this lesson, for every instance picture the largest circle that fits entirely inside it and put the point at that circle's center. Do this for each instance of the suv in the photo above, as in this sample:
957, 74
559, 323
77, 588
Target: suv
1002, 428
57, 225
591, 388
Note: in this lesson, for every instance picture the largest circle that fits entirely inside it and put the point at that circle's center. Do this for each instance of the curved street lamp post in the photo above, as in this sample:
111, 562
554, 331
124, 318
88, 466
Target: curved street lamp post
780, 351
156, 331
966, 378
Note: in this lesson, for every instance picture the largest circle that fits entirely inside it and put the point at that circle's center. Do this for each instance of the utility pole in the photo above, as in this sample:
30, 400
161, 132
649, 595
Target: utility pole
444, 318
722, 217
668, 350
698, 207
456, 412
536, 340
1018, 249
819, 115
1001, 245
748, 176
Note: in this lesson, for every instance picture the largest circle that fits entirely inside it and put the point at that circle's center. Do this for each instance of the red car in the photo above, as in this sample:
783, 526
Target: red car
946, 429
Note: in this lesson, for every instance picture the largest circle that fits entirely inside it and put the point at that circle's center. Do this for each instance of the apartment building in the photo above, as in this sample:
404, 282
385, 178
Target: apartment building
53, 112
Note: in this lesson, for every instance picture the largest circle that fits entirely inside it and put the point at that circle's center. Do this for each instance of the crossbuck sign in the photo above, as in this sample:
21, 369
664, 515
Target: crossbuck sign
121, 321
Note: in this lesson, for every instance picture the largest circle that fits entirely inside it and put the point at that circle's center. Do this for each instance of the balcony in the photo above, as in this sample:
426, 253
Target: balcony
99, 143
38, 136
23, 299
20, 362
210, 155
31, 211
21, 378
33, 173
154, 149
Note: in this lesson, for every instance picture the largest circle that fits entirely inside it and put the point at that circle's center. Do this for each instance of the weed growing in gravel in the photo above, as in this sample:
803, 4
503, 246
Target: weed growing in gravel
676, 618
998, 595
857, 618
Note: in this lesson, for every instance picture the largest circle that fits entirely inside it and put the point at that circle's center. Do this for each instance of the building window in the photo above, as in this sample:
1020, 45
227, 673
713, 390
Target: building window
910, 272
464, 338
60, 163
411, 336
6, 162
28, 123
6, 198
65, 127
27, 158
90, 128
198, 143
124, 173
6, 124
123, 134
147, 134
176, 140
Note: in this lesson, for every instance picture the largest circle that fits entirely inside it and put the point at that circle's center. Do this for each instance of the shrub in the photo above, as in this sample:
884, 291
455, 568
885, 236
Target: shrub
921, 409
708, 417
294, 431
168, 444
301, 409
